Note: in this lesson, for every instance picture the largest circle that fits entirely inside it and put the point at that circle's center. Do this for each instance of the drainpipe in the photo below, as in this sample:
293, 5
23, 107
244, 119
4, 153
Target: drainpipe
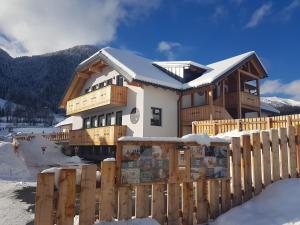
178, 116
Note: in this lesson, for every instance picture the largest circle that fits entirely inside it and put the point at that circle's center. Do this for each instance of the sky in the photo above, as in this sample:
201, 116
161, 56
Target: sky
201, 30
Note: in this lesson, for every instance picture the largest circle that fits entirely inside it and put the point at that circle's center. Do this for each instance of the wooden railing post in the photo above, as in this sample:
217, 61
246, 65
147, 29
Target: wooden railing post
108, 186
283, 153
292, 152
44, 199
236, 173
255, 139
201, 201
247, 172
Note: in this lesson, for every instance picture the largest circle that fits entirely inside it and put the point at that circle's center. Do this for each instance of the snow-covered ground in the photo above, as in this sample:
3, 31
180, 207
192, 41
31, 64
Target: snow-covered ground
278, 204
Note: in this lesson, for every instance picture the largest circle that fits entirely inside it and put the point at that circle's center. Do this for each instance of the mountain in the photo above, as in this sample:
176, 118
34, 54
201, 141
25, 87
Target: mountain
284, 105
38, 82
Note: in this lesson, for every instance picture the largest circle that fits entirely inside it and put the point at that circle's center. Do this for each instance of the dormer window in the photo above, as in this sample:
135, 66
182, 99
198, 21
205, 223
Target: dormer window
120, 80
109, 82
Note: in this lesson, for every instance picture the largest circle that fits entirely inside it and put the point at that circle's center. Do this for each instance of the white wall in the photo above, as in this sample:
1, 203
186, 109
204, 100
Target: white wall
167, 101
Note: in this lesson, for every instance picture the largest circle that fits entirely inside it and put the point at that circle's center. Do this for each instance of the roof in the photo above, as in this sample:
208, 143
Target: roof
135, 67
67, 121
267, 107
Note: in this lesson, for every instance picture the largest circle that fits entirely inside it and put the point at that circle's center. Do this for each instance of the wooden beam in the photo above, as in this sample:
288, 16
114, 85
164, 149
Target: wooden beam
258, 94
223, 93
210, 102
83, 75
248, 74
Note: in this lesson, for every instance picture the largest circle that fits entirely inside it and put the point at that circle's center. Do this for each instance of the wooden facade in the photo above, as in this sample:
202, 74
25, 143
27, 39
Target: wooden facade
234, 96
109, 96
107, 135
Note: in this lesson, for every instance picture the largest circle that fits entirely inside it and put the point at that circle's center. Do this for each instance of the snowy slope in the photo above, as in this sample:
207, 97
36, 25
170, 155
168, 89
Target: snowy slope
278, 204
284, 105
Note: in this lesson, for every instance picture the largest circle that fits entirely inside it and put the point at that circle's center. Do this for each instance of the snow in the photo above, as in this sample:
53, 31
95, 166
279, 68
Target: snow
16, 202
145, 221
66, 121
267, 107
35, 130
109, 160
24, 162
235, 133
279, 102
139, 68
180, 63
200, 139
278, 204
218, 69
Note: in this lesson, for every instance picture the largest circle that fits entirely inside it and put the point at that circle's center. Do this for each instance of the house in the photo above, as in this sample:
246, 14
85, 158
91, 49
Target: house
116, 92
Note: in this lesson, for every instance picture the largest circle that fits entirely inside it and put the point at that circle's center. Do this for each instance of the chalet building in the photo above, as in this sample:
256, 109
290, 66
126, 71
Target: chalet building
116, 93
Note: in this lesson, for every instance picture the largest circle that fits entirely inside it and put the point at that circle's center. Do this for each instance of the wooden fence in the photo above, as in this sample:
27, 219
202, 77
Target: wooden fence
256, 161
213, 127
58, 136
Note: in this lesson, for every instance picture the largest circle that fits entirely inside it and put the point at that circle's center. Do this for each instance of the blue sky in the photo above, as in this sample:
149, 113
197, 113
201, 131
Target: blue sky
201, 30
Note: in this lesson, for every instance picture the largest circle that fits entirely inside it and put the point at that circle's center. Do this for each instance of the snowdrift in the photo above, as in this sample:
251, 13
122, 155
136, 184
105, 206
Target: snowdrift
278, 204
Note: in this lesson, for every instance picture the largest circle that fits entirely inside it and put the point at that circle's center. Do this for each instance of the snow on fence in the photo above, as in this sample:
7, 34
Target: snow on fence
256, 161
213, 127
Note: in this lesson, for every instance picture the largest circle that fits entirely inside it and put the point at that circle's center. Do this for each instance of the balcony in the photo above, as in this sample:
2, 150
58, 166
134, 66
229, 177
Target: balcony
97, 136
109, 96
200, 113
247, 100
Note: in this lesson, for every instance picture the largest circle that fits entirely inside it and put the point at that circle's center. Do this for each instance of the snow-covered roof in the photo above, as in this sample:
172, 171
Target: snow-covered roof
181, 64
66, 121
136, 67
218, 69
267, 107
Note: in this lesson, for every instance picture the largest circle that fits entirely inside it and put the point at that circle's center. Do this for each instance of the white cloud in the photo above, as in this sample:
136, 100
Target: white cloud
259, 14
168, 48
219, 12
272, 87
287, 12
35, 26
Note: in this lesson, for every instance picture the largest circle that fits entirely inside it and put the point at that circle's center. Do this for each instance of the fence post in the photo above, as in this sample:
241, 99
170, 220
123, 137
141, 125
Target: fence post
108, 185
236, 173
44, 199
255, 138
238, 125
247, 172
265, 139
275, 155
283, 153
158, 203
66, 197
87, 195
292, 152
225, 195
141, 201
269, 123
298, 149
213, 198
201, 201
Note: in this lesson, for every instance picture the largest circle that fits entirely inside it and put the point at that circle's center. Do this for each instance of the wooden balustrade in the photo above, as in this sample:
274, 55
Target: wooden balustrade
107, 135
111, 95
247, 99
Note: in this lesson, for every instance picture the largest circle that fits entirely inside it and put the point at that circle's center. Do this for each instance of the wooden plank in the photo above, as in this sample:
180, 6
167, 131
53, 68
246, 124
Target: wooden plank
298, 148
173, 203
292, 152
283, 153
142, 201
247, 172
44, 199
107, 204
66, 197
225, 195
187, 203
265, 139
236, 173
201, 202
213, 198
255, 139
124, 203
275, 155
87, 195
158, 205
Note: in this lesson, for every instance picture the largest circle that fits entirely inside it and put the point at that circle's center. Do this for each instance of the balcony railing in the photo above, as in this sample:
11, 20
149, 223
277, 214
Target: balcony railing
247, 99
97, 136
111, 95
199, 113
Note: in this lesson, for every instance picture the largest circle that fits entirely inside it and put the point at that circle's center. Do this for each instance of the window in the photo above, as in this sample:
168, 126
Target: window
109, 82
101, 85
94, 121
86, 123
119, 118
101, 121
156, 116
108, 119
186, 101
94, 87
120, 80
199, 98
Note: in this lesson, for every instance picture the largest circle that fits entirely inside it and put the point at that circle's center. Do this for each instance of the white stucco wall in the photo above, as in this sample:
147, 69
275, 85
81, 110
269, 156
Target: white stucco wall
167, 101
